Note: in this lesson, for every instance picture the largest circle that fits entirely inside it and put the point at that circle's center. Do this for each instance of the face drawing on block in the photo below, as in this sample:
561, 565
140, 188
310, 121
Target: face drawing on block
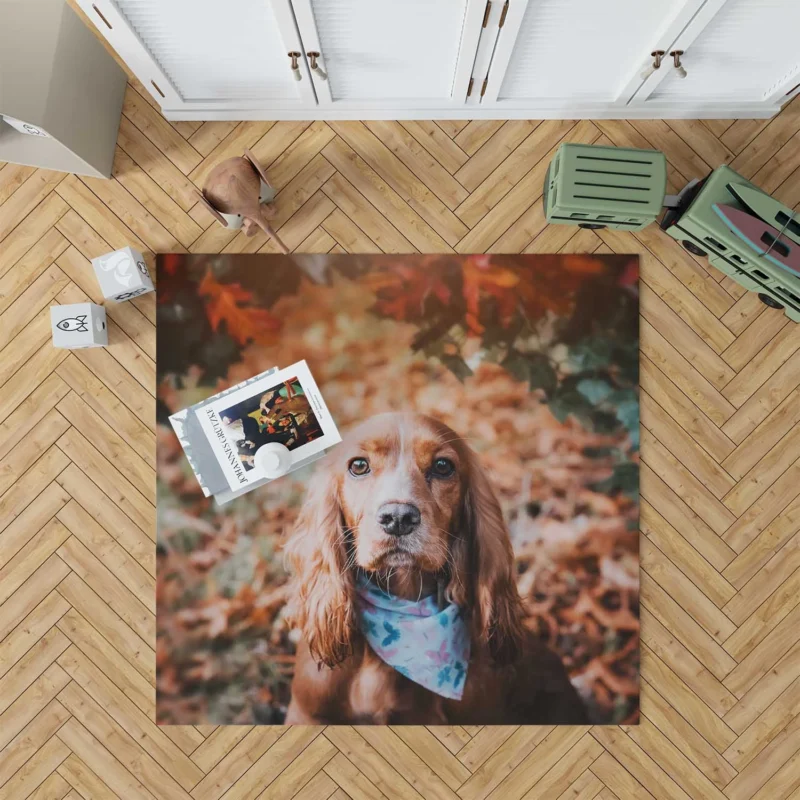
77, 324
120, 264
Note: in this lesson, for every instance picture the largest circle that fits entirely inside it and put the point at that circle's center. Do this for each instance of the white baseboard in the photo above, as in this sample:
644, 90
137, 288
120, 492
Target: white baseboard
649, 111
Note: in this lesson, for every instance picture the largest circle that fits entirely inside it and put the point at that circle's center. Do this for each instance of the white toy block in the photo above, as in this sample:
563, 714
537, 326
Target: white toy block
78, 325
122, 274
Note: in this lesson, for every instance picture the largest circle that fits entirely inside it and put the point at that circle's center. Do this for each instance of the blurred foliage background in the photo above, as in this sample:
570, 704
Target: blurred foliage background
533, 358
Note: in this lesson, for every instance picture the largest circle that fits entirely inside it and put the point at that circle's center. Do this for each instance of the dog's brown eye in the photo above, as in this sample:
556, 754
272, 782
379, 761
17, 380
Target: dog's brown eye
443, 468
359, 466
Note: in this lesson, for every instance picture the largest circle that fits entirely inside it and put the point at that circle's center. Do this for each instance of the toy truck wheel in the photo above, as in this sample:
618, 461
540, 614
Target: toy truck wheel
592, 226
769, 301
693, 248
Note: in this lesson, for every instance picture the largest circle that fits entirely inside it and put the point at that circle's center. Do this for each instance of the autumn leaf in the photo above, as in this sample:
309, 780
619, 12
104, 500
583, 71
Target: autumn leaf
554, 283
171, 262
630, 275
582, 265
403, 290
231, 304
482, 277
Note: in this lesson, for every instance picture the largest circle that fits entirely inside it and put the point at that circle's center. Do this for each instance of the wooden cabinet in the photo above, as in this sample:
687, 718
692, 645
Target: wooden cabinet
221, 58
387, 54
568, 53
733, 51
361, 59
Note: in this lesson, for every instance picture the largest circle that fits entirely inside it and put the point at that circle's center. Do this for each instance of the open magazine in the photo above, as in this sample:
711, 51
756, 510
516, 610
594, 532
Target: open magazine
222, 435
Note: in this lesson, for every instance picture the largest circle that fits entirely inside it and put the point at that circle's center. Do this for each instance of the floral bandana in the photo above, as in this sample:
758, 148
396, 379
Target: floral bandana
428, 646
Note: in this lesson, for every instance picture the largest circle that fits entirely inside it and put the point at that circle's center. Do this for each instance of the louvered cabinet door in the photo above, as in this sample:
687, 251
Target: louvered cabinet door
569, 54
390, 54
207, 54
745, 51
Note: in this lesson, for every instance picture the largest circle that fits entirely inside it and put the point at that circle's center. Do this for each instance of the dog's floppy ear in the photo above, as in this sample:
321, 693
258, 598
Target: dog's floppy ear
322, 602
484, 550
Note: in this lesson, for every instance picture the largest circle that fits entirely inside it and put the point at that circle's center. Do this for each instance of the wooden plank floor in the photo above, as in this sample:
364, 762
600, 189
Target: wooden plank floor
720, 478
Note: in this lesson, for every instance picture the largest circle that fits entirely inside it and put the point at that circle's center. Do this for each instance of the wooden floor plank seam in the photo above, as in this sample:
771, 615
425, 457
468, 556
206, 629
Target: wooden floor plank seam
721, 509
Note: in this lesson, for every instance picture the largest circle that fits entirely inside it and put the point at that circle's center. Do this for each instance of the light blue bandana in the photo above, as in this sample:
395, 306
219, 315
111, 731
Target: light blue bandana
428, 646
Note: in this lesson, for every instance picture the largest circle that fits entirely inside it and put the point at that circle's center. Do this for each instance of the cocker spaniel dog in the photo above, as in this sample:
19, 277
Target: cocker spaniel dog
404, 591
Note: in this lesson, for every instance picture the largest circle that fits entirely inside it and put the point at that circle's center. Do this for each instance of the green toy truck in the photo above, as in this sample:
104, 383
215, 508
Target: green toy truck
702, 232
609, 187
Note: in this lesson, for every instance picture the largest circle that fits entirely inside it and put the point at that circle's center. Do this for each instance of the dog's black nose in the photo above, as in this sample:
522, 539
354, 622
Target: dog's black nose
398, 519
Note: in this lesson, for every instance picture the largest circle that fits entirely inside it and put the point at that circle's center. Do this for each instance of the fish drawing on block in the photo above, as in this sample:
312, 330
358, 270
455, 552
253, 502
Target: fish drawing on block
77, 324
763, 238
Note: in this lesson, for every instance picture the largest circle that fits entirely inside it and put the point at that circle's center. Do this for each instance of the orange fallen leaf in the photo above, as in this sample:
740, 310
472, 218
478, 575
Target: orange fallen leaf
402, 290
228, 303
481, 276
171, 262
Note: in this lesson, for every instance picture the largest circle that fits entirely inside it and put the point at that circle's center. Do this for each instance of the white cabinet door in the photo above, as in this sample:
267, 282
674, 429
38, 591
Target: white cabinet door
390, 54
744, 51
206, 53
578, 54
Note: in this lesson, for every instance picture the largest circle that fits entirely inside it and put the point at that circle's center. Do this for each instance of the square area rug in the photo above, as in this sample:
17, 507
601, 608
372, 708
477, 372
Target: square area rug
468, 554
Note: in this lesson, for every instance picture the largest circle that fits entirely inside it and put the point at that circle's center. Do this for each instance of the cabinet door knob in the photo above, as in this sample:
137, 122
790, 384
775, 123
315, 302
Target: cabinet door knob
317, 70
294, 55
676, 58
657, 56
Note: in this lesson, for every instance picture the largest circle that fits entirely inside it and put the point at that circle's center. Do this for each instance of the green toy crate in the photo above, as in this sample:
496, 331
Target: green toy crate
605, 187
702, 232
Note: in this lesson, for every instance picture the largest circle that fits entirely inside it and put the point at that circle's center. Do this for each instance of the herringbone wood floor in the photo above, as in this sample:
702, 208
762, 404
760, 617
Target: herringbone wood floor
720, 478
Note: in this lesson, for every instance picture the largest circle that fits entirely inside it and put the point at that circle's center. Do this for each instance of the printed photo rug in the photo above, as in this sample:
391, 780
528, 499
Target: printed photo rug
468, 554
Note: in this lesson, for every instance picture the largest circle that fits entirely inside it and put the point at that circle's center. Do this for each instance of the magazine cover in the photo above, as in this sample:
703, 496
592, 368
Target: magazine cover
285, 407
